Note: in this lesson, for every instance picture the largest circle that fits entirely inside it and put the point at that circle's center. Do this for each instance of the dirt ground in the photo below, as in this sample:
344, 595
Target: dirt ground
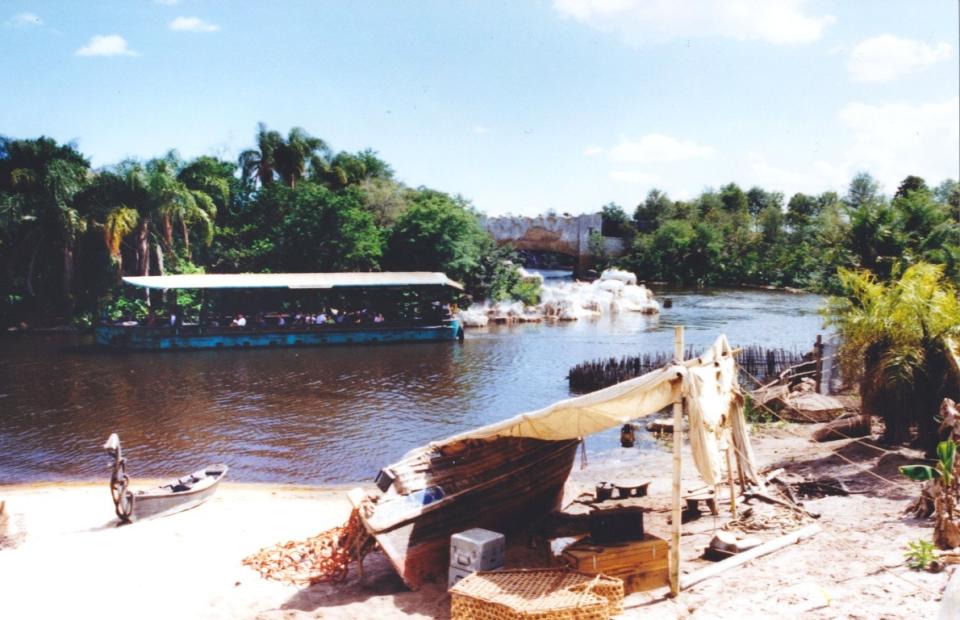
64, 555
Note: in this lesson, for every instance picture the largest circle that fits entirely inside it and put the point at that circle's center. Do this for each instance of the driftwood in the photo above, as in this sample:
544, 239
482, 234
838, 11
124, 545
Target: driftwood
741, 558
779, 502
844, 428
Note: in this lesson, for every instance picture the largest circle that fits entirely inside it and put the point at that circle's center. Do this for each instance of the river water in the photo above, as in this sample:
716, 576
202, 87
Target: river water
331, 415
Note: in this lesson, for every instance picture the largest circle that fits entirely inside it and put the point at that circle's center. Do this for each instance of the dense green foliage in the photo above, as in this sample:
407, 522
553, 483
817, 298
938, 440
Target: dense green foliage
735, 237
290, 203
67, 232
894, 339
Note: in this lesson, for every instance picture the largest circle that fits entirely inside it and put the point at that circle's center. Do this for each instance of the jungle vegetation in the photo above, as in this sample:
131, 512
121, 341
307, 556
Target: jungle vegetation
735, 237
68, 232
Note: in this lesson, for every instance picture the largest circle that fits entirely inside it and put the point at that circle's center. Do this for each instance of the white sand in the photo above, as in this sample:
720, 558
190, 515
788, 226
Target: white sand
74, 562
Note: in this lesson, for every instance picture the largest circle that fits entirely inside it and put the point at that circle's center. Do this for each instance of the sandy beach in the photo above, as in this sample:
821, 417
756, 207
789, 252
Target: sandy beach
64, 555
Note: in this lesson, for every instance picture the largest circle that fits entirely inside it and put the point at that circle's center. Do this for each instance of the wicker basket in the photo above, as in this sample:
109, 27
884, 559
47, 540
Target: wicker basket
536, 594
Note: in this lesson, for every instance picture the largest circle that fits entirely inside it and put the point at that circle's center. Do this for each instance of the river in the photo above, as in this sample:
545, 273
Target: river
330, 415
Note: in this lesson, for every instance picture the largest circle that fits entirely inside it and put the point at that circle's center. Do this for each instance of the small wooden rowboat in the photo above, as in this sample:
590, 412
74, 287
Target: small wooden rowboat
173, 496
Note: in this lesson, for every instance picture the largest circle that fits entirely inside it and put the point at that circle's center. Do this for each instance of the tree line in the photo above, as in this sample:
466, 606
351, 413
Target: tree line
69, 232
734, 237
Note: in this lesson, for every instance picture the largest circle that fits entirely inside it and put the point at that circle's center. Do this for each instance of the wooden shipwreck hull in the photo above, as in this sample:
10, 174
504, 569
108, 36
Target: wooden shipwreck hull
502, 484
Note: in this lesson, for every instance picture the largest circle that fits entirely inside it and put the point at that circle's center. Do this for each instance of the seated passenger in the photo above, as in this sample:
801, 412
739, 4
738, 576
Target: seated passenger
321, 318
378, 318
281, 322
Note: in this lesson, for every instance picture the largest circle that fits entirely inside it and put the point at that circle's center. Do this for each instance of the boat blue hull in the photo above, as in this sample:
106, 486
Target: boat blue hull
165, 339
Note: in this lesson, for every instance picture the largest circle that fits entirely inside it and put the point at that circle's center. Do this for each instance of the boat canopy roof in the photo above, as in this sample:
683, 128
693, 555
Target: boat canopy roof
295, 280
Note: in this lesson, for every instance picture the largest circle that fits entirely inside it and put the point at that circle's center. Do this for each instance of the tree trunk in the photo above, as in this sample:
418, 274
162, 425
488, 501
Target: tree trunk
31, 266
143, 247
166, 225
159, 252
186, 238
68, 278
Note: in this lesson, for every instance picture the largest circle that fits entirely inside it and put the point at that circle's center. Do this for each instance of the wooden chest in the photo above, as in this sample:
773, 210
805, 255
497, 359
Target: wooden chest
641, 564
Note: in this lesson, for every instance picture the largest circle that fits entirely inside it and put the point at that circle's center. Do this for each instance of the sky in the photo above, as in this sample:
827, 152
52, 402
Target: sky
520, 106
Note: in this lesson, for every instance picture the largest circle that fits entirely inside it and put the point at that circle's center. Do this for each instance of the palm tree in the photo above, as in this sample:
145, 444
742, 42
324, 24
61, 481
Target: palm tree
44, 178
287, 159
260, 163
293, 155
147, 202
894, 340
349, 169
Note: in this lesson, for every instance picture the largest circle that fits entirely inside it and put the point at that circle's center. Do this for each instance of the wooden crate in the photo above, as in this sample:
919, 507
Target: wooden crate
641, 564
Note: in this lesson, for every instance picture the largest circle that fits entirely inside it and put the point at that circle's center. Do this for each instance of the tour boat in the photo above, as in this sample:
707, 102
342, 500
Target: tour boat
247, 291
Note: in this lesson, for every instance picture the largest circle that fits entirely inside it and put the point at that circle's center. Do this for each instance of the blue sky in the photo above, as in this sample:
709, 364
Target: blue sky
520, 106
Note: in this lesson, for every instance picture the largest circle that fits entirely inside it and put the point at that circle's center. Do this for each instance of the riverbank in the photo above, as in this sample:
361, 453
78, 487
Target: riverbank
69, 559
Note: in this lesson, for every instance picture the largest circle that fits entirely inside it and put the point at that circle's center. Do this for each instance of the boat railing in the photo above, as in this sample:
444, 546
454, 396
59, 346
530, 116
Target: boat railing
186, 329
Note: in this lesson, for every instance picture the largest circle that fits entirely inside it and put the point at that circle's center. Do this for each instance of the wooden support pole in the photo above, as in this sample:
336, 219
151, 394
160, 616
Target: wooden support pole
677, 445
746, 556
818, 375
733, 489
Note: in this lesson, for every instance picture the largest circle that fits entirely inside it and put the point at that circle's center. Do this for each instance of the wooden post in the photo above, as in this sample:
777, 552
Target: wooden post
818, 347
733, 490
677, 445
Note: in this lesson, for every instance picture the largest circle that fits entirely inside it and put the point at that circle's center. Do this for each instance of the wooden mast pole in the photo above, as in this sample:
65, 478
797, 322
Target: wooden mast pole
677, 445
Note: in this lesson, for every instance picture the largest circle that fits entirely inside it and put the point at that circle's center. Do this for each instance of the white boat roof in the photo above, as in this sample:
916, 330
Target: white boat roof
295, 280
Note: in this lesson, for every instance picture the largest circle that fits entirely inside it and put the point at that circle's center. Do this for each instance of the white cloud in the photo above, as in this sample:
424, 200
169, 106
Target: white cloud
883, 58
480, 130
640, 21
895, 139
634, 177
24, 20
593, 150
890, 141
106, 45
657, 148
820, 176
192, 24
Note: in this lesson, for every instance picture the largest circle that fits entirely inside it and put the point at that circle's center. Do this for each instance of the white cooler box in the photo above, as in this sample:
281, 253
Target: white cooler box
456, 574
477, 549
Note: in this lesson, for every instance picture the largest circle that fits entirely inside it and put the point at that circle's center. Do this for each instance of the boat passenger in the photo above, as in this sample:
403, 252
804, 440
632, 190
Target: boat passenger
378, 318
322, 318
240, 321
281, 322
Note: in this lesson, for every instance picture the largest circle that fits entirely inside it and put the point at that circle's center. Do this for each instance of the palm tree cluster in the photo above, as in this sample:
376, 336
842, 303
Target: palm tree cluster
301, 156
896, 338
68, 232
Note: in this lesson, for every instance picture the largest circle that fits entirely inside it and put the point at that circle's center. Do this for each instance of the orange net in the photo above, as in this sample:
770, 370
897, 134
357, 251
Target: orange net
324, 558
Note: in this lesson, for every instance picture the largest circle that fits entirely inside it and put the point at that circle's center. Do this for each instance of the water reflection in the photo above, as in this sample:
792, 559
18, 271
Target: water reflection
326, 415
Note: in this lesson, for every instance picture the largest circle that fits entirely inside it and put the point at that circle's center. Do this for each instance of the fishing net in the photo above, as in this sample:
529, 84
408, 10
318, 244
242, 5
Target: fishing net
324, 558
